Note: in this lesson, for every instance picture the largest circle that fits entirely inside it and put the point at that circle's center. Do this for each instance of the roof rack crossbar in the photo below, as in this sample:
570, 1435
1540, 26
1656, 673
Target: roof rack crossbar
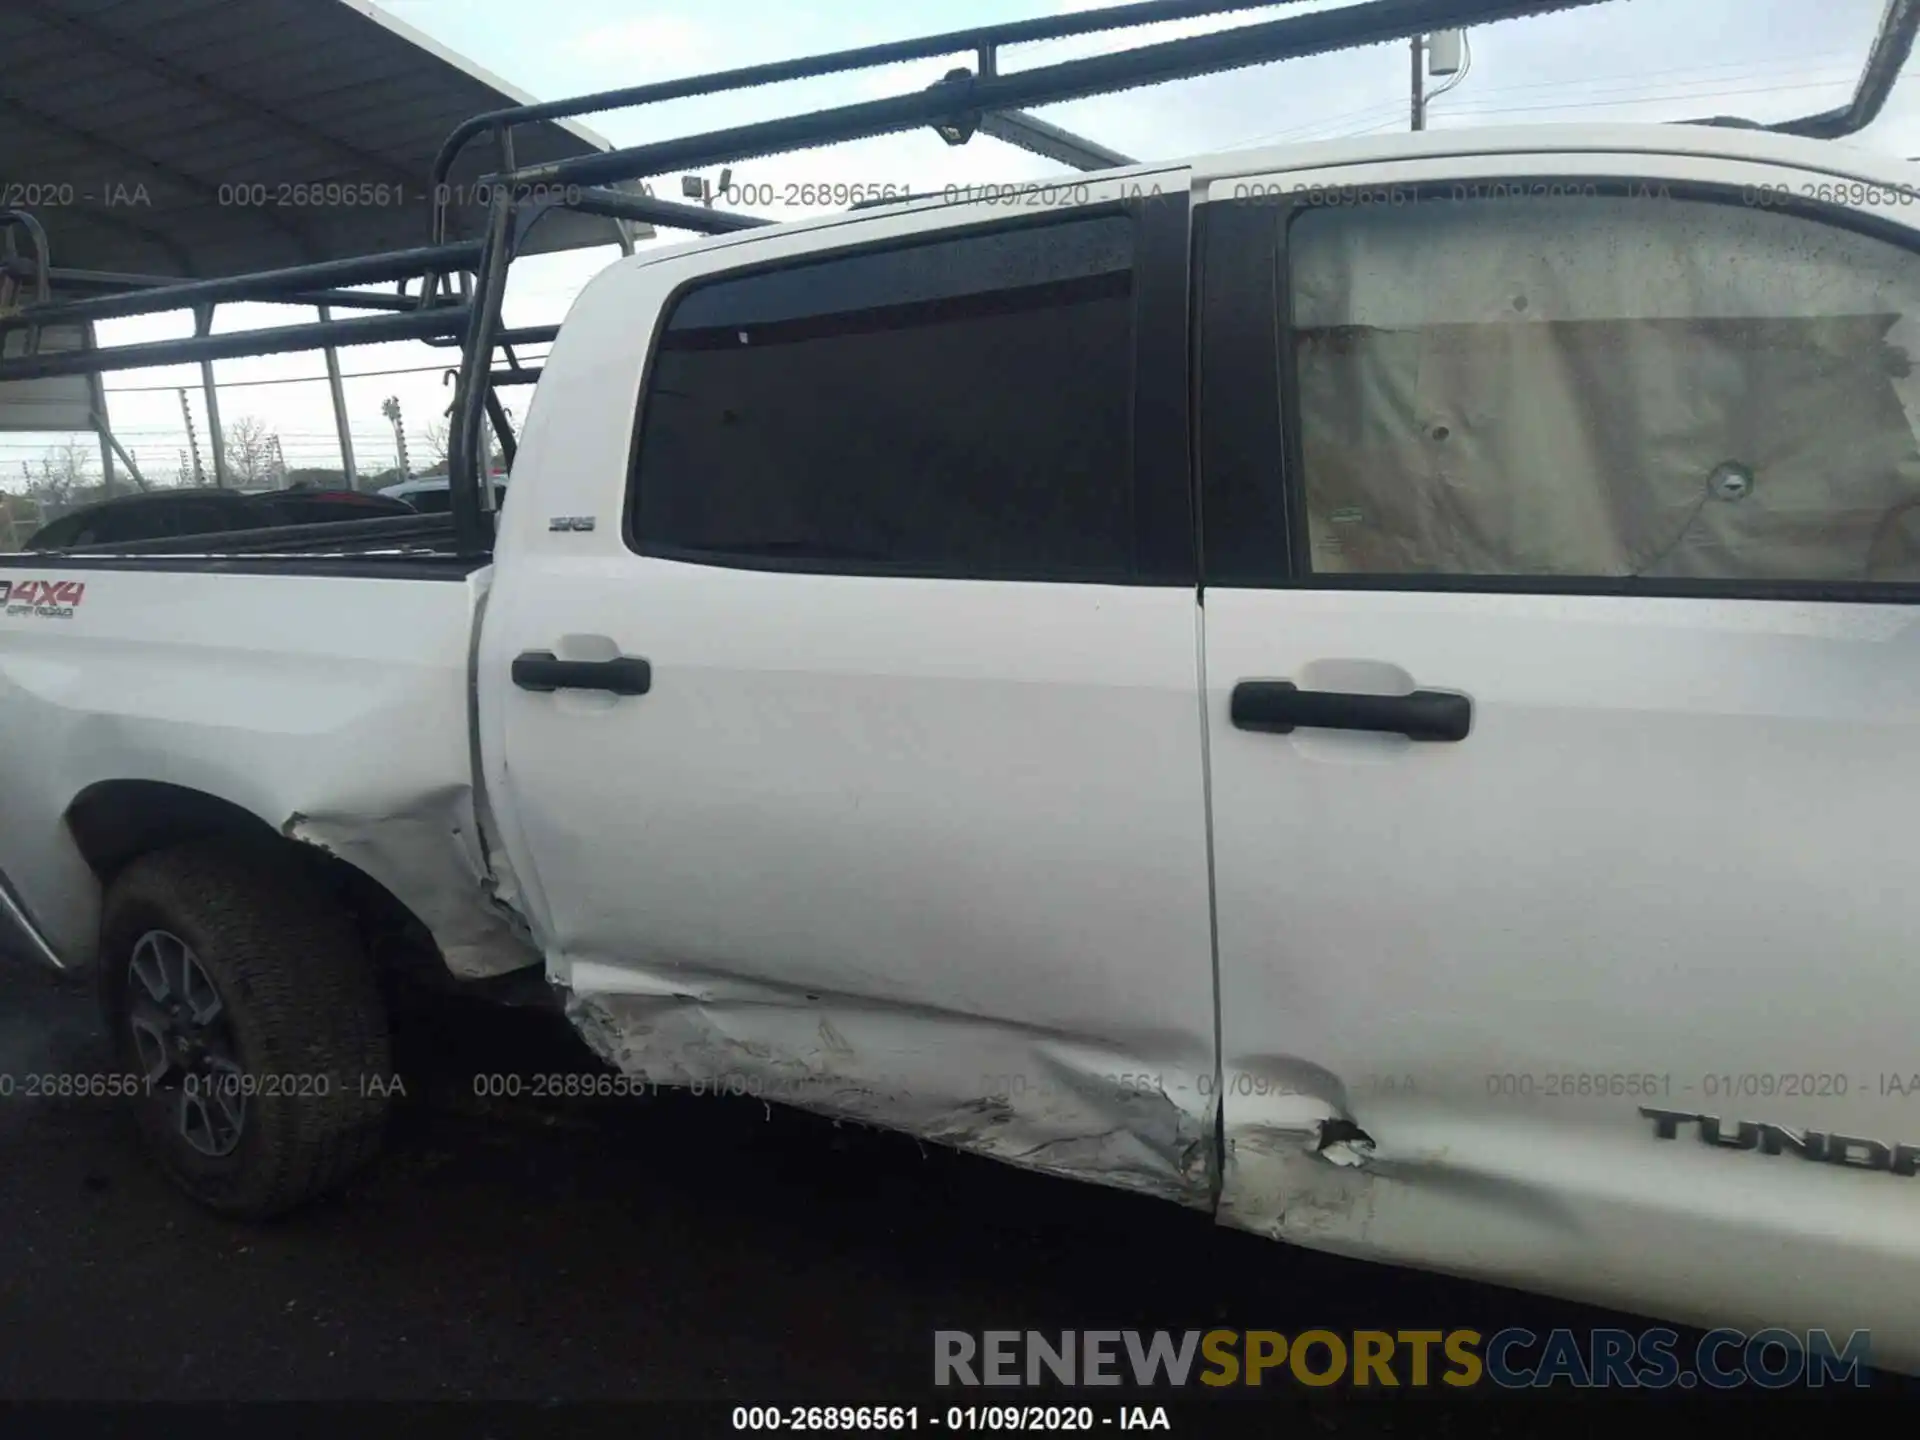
525, 335
294, 282
1891, 46
114, 282
954, 99
616, 205
273, 340
979, 38
1036, 136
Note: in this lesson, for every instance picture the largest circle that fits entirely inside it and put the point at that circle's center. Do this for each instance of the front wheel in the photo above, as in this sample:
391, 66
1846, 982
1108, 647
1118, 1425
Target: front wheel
243, 1005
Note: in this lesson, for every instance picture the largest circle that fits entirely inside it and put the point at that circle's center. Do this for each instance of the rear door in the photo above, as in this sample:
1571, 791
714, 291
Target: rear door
904, 817
1563, 694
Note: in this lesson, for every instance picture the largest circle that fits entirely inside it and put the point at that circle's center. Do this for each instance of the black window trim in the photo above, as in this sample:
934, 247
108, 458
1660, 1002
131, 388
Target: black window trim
1165, 544
1242, 407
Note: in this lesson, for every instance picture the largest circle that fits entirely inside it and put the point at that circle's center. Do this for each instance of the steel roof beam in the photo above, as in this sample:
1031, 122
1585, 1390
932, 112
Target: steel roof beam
95, 37
206, 189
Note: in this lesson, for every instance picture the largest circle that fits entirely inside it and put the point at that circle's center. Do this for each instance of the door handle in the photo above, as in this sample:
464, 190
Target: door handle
1277, 706
542, 670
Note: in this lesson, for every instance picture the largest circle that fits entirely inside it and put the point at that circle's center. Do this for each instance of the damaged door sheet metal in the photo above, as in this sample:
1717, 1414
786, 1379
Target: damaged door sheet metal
429, 854
1299, 1165
1065, 1105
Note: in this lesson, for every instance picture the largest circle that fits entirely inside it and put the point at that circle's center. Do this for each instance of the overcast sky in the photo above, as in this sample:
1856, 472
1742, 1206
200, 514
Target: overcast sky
1621, 60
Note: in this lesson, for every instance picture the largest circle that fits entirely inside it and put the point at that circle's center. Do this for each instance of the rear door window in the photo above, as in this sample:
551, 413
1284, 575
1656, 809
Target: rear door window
960, 407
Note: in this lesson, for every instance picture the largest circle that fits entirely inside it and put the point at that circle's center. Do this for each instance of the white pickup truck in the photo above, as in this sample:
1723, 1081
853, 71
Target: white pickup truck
1370, 689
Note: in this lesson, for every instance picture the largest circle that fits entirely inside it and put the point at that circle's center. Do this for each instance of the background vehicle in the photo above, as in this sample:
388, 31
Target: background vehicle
299, 506
155, 514
433, 495
1369, 689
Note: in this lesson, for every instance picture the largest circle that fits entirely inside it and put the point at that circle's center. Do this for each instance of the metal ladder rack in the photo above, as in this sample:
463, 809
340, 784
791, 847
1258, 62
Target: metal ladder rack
459, 299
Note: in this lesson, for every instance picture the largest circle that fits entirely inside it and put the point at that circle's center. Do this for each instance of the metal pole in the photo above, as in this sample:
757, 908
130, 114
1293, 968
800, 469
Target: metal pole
193, 440
340, 425
97, 403
107, 438
106, 452
468, 493
202, 326
1419, 82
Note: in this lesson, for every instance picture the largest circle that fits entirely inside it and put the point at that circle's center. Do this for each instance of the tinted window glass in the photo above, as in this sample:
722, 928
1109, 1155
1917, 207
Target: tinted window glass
60, 533
294, 508
1605, 386
118, 523
960, 407
201, 517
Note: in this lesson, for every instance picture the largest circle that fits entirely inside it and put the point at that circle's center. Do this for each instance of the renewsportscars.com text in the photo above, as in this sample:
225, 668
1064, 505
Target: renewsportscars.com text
1514, 1359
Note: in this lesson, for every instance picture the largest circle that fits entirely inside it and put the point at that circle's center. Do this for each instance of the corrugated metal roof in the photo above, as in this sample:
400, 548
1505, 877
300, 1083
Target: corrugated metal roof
169, 137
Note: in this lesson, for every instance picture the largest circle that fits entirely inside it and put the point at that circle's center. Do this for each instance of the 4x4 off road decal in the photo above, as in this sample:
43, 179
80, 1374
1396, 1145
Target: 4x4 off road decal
46, 599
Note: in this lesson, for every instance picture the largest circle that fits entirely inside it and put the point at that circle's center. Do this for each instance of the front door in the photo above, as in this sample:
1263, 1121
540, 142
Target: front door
1562, 534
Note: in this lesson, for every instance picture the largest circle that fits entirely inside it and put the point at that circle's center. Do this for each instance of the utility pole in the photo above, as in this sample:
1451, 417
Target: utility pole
390, 407
1435, 54
1419, 82
193, 440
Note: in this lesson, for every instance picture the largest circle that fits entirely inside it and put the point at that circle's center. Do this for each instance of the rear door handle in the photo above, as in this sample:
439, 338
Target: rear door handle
543, 670
1277, 706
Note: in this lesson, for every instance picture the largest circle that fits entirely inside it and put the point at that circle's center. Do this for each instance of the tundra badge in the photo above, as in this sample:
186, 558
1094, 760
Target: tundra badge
1848, 1150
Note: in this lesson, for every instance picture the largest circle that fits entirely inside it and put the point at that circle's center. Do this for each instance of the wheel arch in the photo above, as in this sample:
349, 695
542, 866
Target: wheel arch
114, 822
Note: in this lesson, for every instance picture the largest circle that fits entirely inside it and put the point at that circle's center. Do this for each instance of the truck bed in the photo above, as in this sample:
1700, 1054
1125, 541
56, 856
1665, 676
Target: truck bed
325, 692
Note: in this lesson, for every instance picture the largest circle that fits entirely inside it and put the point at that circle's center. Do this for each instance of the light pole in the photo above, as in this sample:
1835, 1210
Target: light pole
698, 187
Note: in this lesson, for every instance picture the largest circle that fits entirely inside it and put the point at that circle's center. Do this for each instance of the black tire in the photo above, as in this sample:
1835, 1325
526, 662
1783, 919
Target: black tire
301, 1010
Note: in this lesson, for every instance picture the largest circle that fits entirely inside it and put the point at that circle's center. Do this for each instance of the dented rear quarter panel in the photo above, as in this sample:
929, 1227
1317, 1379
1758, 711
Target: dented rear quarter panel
333, 708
